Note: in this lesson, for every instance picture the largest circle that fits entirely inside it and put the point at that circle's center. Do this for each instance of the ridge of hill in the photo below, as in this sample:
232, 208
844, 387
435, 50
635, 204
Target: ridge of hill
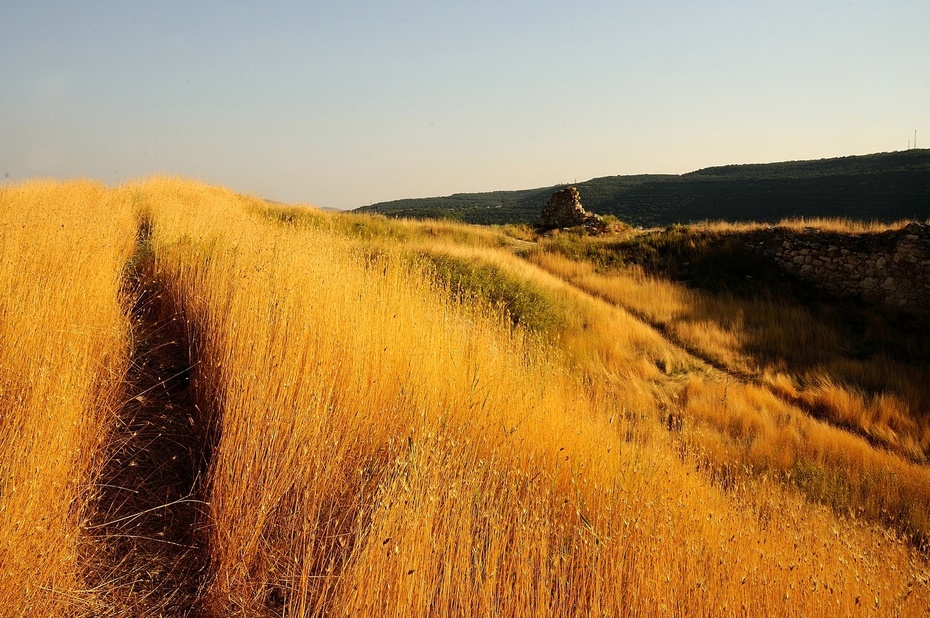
882, 187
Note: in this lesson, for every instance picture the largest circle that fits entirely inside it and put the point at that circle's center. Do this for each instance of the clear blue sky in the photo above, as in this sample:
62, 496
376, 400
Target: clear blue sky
343, 103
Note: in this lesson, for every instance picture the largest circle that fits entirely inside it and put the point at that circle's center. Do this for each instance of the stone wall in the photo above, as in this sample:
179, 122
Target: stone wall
890, 268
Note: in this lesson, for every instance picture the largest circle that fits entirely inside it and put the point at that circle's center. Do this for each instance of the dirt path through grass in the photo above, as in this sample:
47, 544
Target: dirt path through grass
148, 510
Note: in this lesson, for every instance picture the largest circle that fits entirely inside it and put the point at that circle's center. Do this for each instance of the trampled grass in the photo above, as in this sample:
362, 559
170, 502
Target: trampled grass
382, 437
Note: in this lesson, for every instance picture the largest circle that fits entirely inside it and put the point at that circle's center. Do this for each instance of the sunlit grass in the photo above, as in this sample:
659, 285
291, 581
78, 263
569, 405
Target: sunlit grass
780, 344
63, 349
408, 419
752, 428
471, 478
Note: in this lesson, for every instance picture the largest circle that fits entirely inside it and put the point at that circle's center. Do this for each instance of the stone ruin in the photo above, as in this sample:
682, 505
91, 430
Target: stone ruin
890, 268
564, 210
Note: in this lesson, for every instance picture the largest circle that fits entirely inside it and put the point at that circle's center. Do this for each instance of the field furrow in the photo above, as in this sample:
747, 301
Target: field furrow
149, 510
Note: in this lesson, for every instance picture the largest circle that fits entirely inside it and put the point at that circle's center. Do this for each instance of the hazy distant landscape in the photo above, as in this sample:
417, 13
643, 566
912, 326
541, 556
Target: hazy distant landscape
880, 187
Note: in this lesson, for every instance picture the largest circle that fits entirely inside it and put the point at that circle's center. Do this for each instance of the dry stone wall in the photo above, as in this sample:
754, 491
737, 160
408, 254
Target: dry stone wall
891, 268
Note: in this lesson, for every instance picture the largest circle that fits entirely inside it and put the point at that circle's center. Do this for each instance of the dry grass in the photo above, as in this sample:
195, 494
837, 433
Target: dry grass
376, 227
783, 345
381, 443
751, 428
376, 458
841, 226
63, 352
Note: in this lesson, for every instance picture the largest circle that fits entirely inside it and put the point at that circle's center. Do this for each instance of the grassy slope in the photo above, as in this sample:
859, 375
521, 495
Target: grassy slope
884, 187
383, 437
748, 316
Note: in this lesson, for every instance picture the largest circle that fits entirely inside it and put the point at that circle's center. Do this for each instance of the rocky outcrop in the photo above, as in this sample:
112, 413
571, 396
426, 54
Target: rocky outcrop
890, 268
564, 210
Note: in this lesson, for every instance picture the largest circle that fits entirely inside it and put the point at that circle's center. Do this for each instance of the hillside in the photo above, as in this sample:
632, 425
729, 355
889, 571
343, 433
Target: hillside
633, 424
881, 187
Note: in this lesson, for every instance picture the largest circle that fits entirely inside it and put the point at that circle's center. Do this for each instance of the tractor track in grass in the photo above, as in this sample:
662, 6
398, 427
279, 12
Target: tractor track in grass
148, 511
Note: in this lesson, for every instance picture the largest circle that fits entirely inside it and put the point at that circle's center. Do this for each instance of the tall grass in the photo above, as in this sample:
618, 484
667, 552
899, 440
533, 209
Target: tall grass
799, 354
742, 425
63, 352
380, 228
384, 450
381, 443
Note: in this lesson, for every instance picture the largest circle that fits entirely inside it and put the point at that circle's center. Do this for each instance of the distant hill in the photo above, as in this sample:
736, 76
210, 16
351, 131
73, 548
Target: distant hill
881, 187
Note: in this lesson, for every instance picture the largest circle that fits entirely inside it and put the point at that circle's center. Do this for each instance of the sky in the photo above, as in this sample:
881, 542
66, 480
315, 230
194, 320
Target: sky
340, 104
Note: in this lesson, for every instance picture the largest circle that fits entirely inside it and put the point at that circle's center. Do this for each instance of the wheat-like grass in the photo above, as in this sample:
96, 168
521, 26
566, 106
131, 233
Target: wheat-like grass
378, 441
831, 465
383, 450
63, 349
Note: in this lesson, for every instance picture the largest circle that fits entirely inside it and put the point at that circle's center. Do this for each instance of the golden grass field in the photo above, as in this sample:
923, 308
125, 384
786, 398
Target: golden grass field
214, 406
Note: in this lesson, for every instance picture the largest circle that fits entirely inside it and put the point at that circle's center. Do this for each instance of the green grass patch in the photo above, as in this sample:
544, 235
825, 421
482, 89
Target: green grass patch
525, 304
363, 227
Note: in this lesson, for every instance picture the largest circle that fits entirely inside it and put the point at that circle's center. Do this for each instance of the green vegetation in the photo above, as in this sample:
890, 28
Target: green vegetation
882, 187
472, 280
